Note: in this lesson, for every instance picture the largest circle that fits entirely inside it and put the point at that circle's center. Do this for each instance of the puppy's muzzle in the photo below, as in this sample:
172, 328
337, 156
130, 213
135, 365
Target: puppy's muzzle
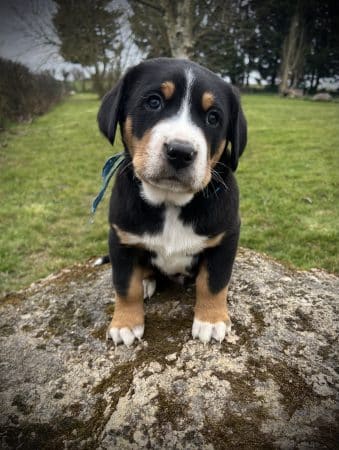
179, 154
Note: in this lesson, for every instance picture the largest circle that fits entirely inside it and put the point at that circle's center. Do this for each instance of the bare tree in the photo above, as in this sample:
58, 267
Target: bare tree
179, 18
293, 54
174, 25
216, 33
35, 21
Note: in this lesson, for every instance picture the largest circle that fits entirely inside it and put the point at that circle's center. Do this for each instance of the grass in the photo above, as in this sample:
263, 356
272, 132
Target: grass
288, 179
50, 172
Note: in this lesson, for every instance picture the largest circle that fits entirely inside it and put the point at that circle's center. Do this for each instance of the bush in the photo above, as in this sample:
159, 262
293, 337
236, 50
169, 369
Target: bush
24, 94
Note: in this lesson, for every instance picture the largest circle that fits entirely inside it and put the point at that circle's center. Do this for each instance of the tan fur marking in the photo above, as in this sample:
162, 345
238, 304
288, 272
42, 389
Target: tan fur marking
209, 307
128, 137
129, 310
207, 100
137, 147
140, 147
167, 88
127, 238
214, 241
208, 176
213, 161
217, 155
121, 234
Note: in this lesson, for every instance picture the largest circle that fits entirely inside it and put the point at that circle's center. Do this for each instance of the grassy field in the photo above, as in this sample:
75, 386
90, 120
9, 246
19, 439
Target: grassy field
50, 171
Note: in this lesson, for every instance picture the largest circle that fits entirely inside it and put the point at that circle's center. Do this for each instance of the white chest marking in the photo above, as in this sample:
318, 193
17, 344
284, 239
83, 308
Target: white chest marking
174, 246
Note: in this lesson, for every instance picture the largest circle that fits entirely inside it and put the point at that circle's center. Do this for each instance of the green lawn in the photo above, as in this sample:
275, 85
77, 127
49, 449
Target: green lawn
50, 171
288, 180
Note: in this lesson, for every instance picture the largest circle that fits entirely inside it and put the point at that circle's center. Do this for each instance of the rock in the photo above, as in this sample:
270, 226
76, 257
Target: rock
273, 385
322, 97
295, 93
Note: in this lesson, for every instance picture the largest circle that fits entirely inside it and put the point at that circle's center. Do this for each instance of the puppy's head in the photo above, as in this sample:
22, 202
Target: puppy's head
176, 121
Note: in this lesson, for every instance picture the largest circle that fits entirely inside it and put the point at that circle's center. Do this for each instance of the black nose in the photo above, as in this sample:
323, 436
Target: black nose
180, 154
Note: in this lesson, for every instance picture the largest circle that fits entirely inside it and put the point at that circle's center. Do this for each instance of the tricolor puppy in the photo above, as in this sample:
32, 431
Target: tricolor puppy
174, 205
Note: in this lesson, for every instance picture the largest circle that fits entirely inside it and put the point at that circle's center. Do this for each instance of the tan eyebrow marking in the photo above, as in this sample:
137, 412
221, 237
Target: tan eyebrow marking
207, 100
168, 88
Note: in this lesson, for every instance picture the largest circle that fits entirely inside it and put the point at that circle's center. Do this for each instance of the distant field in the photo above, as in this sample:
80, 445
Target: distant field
50, 171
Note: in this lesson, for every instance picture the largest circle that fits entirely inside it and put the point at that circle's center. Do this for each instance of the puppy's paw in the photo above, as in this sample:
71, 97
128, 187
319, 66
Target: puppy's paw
149, 287
205, 331
125, 335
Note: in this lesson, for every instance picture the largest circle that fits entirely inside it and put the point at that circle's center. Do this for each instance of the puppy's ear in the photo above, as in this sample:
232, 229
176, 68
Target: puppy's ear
238, 130
110, 110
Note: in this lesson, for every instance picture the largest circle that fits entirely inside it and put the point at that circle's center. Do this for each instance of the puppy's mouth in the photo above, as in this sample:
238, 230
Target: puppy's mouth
170, 183
167, 182
159, 174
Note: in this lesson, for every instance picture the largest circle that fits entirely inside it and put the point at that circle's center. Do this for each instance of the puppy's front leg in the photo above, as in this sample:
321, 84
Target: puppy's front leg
128, 275
128, 318
211, 319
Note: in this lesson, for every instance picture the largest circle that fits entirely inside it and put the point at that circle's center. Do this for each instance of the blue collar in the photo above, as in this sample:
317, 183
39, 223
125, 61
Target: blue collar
109, 169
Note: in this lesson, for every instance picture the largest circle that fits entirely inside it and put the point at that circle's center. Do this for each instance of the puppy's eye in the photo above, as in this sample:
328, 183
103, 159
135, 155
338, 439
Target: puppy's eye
154, 103
212, 118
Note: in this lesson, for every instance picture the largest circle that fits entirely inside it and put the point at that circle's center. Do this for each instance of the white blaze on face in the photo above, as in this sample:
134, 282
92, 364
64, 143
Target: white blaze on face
178, 127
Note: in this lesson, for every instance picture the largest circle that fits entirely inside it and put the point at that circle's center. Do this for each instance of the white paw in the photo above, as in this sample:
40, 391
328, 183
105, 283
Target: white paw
98, 262
205, 331
126, 335
149, 287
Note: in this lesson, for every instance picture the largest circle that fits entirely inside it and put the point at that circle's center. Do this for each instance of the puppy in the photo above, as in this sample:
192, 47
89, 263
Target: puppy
174, 205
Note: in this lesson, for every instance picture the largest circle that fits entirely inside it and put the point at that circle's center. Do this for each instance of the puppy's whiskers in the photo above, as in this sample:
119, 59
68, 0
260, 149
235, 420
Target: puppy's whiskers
221, 164
217, 177
204, 192
214, 189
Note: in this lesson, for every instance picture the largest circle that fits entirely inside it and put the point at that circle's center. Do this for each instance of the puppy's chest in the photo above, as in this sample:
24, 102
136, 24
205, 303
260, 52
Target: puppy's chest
174, 247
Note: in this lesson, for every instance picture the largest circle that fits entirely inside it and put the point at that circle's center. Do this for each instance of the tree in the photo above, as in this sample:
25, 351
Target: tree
310, 48
166, 27
179, 19
226, 38
88, 32
322, 56
148, 28
216, 33
293, 52
272, 22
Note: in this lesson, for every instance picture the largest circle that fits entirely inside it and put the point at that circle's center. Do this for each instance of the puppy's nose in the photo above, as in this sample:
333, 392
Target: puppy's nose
180, 154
